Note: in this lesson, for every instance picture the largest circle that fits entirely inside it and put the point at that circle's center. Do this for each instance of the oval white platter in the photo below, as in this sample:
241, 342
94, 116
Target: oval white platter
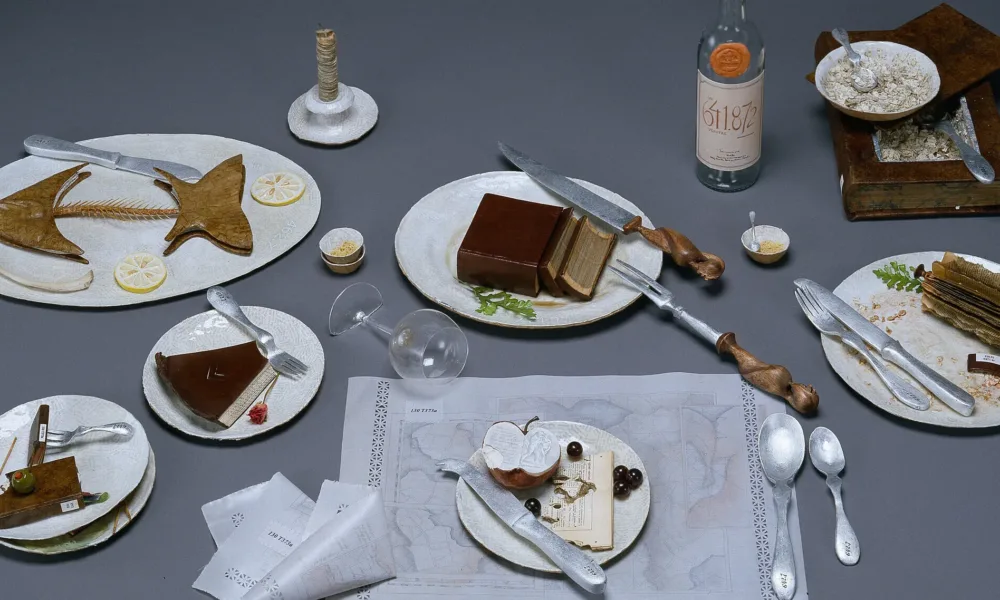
99, 531
196, 265
211, 330
494, 535
939, 345
105, 464
429, 235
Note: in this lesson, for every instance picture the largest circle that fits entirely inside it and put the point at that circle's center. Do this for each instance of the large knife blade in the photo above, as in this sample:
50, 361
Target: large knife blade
679, 247
890, 349
50, 147
578, 566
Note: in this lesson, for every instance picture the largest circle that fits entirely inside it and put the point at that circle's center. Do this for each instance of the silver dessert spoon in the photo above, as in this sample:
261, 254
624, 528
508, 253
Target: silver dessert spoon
754, 244
782, 449
828, 458
974, 161
863, 79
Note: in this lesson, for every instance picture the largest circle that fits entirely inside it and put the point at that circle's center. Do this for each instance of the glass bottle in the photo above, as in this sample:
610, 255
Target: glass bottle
730, 100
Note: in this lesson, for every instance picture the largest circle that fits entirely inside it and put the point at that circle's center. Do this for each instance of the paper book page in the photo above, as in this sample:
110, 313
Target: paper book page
581, 508
268, 534
712, 508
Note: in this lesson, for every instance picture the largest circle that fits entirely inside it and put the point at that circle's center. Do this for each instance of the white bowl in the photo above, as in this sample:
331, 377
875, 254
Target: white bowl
336, 237
766, 233
890, 50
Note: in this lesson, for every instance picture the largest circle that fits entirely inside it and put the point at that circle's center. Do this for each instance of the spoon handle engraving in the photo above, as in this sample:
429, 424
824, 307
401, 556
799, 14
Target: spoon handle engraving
846, 543
783, 562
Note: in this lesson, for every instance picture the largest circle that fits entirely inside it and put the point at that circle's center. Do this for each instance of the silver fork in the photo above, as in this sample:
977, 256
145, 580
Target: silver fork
283, 362
827, 324
58, 439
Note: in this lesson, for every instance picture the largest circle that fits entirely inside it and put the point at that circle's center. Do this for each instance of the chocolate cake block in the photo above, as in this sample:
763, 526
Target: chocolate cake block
506, 242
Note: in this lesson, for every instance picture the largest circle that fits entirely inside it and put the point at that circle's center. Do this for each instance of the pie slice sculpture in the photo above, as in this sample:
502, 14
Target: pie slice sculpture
27, 219
211, 208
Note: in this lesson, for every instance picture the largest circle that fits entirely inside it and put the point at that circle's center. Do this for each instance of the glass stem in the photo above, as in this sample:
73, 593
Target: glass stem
377, 326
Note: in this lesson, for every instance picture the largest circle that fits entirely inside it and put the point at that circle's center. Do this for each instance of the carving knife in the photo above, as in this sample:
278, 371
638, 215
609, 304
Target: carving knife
578, 566
50, 147
891, 350
679, 247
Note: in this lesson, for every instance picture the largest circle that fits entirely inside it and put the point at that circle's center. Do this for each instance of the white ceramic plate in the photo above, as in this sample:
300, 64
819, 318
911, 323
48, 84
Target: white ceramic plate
429, 235
210, 330
935, 342
100, 530
104, 463
890, 49
494, 535
196, 265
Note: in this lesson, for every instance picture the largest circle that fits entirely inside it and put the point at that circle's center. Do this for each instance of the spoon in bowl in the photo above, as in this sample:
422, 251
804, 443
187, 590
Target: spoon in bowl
863, 78
782, 449
754, 244
828, 457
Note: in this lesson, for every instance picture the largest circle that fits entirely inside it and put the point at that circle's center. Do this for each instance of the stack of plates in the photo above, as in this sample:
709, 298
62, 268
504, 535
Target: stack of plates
125, 469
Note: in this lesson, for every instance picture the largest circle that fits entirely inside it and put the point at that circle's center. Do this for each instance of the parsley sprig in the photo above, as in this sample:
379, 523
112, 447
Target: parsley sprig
490, 300
897, 276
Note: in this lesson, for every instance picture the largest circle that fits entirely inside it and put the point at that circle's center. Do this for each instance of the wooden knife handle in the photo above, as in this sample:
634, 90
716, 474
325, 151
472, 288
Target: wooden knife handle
680, 248
773, 379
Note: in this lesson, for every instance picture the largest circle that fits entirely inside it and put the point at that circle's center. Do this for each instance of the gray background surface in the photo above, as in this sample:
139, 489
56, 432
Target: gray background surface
599, 90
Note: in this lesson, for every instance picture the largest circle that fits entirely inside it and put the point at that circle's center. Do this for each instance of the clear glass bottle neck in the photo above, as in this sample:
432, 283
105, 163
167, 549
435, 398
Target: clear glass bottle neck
732, 11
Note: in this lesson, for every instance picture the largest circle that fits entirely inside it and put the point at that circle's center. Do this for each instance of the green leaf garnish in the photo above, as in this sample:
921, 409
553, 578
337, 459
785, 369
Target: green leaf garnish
490, 300
897, 276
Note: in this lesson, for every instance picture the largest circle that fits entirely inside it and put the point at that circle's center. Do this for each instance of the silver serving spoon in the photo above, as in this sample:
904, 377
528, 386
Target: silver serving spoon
754, 244
974, 161
828, 458
863, 78
782, 449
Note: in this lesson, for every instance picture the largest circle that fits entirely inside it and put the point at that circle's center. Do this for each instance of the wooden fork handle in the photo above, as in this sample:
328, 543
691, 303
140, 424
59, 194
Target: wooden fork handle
680, 248
773, 379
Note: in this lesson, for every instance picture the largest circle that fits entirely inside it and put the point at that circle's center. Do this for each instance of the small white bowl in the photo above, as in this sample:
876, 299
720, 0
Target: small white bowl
766, 233
334, 238
890, 50
341, 269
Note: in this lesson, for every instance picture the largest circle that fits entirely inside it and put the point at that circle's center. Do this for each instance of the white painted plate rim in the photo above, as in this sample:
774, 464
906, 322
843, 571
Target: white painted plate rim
464, 494
66, 522
876, 393
651, 258
104, 292
301, 391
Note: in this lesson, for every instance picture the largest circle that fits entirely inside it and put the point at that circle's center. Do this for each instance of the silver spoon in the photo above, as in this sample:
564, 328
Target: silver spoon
863, 79
754, 244
828, 458
974, 161
782, 449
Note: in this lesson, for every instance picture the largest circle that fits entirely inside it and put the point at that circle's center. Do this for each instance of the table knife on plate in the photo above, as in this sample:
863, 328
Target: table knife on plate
679, 247
578, 566
891, 350
50, 147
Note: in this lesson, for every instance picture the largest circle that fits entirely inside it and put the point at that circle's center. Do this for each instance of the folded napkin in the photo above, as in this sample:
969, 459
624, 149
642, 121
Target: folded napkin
275, 542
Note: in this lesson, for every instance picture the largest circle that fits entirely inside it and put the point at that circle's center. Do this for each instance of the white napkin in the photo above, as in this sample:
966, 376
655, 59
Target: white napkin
287, 546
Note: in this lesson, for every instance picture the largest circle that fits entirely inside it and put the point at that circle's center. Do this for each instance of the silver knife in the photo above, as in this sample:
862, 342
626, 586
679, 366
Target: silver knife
891, 350
50, 147
679, 247
578, 566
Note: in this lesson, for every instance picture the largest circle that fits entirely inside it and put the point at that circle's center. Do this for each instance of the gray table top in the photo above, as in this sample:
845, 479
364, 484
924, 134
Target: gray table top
601, 90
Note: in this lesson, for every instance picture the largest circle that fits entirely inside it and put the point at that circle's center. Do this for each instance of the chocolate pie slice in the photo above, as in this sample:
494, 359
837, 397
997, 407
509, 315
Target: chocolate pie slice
219, 385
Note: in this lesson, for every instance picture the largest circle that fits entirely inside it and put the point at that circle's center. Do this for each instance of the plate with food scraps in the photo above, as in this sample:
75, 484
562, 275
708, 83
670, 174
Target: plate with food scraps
430, 234
629, 512
105, 462
209, 331
886, 293
99, 531
114, 214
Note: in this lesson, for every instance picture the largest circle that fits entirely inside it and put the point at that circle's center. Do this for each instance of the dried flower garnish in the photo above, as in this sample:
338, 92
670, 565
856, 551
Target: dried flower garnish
258, 414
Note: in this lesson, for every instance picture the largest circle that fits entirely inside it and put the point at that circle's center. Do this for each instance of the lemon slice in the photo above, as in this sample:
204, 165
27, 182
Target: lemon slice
277, 189
140, 273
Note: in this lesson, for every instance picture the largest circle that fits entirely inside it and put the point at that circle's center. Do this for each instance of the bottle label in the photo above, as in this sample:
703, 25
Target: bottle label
730, 116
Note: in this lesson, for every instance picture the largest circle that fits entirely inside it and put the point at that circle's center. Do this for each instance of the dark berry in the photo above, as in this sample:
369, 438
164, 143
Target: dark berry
621, 473
634, 478
533, 506
622, 489
574, 449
